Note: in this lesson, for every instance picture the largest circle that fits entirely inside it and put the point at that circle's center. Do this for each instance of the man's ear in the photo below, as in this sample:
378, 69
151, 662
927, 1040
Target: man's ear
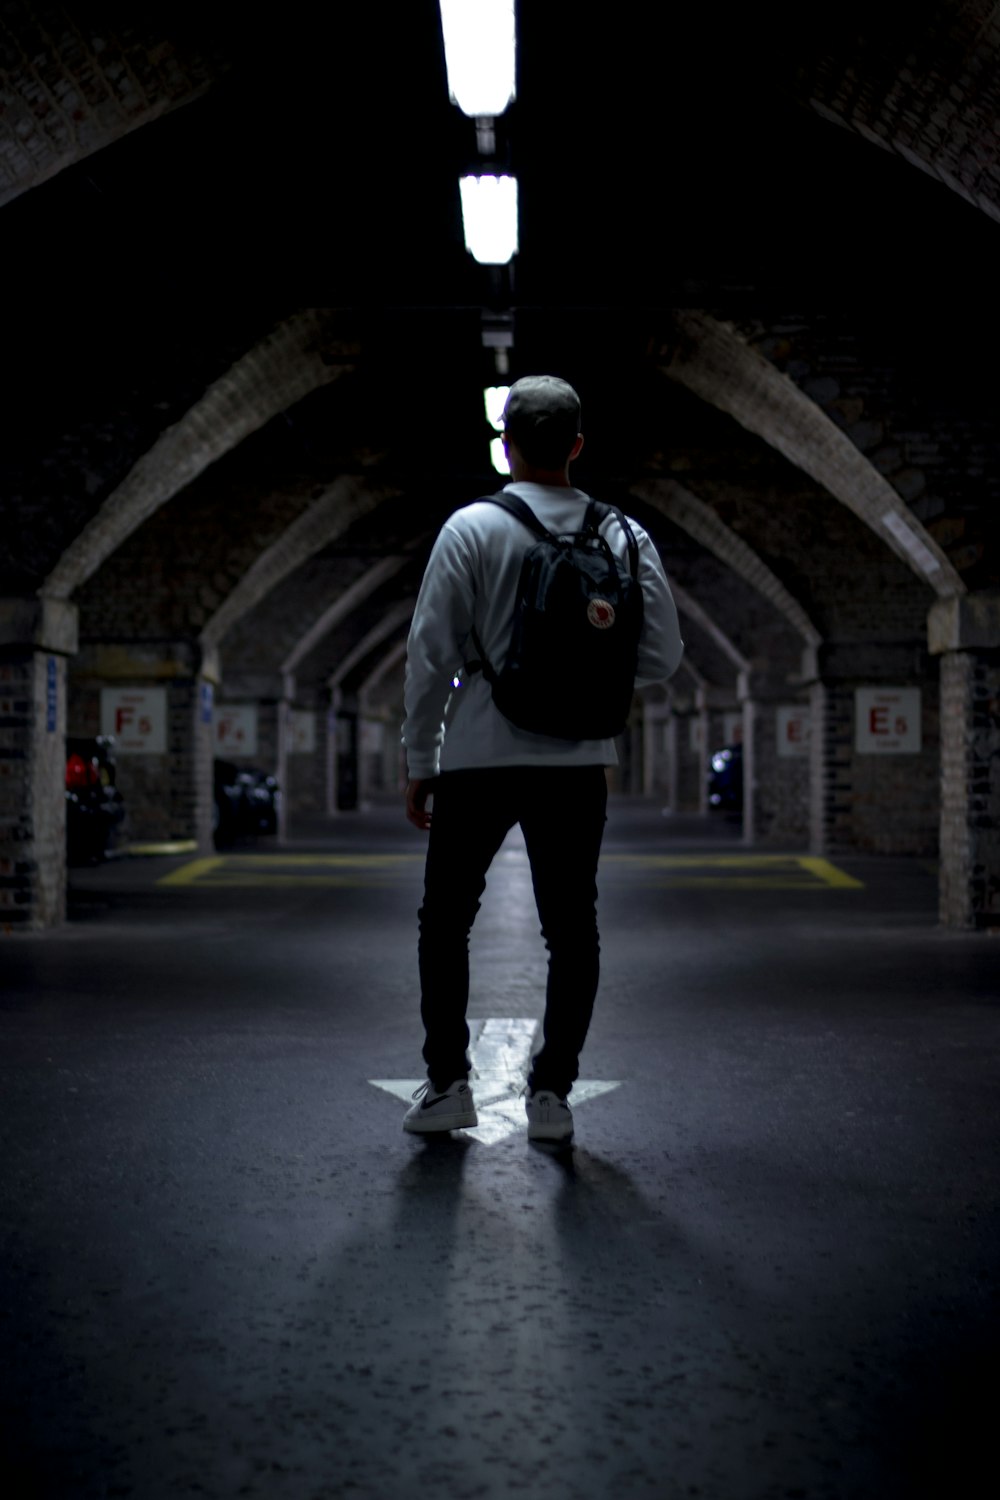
575, 450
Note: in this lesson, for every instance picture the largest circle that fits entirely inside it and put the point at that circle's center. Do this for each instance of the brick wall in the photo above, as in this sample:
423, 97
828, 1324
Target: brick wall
877, 804
32, 789
75, 84
970, 789
778, 785
305, 789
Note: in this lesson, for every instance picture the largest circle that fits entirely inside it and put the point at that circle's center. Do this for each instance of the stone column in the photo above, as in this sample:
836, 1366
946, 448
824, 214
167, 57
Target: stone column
36, 638
701, 700
688, 771
775, 785
964, 631
655, 768
345, 776
859, 800
670, 738
307, 770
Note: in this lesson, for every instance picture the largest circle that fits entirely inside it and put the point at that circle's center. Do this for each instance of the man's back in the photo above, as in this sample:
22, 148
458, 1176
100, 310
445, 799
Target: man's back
471, 583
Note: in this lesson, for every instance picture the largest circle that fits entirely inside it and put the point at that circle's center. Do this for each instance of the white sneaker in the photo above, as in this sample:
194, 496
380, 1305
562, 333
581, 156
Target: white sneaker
455, 1109
549, 1117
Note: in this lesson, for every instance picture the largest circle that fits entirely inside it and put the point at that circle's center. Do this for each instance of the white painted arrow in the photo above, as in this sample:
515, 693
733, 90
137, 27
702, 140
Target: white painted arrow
500, 1048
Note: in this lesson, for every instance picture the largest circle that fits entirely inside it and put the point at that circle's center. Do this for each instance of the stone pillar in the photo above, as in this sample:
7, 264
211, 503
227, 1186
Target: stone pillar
688, 768
964, 631
345, 777
191, 738
860, 800
304, 756
283, 726
670, 750
36, 637
775, 784
701, 737
655, 769
333, 744
751, 769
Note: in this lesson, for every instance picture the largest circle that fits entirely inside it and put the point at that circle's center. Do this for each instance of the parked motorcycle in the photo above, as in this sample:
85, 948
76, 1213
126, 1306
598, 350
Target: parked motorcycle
94, 805
246, 802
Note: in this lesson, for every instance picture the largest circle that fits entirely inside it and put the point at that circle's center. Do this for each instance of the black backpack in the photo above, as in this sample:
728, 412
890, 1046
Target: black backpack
570, 669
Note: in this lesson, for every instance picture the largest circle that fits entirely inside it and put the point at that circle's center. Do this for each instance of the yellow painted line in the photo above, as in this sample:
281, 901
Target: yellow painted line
830, 874
188, 874
736, 883
320, 861
248, 880
763, 871
722, 872
292, 870
714, 861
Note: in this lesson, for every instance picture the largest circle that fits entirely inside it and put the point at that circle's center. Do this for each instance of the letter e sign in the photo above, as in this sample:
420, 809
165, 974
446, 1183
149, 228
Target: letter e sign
887, 721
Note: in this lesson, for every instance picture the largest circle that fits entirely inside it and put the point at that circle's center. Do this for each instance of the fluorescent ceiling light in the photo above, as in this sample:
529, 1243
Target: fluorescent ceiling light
495, 398
489, 213
479, 54
499, 457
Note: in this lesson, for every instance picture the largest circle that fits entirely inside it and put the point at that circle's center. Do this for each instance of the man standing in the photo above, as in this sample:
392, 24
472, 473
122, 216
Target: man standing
484, 774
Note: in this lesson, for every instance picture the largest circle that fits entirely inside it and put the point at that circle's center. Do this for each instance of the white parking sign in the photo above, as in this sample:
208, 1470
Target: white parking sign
137, 718
236, 729
887, 721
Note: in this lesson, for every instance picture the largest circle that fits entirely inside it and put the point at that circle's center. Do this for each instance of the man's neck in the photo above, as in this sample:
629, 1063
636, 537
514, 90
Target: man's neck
556, 478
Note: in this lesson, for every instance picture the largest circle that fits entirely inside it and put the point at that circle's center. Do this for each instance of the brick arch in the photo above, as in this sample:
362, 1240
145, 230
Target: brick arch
382, 668
400, 614
697, 613
403, 611
345, 501
74, 85
690, 670
353, 596
716, 364
929, 93
298, 357
702, 523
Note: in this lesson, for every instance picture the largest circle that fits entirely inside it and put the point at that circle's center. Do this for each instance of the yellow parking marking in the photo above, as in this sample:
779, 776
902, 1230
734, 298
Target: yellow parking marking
825, 871
290, 870
719, 872
188, 874
739, 872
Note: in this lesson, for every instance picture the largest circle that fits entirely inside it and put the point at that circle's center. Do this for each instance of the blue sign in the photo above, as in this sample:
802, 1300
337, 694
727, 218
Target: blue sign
51, 695
207, 700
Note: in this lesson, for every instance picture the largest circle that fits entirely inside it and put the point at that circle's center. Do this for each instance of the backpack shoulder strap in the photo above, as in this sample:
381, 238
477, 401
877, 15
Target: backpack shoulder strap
523, 513
516, 507
597, 512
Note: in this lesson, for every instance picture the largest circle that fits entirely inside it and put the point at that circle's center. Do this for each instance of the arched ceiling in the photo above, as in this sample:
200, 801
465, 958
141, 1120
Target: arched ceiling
243, 346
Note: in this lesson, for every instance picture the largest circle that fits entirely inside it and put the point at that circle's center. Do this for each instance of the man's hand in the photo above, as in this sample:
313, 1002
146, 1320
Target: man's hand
417, 793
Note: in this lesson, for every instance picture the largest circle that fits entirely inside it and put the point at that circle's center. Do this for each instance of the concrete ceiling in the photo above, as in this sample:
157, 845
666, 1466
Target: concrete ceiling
235, 279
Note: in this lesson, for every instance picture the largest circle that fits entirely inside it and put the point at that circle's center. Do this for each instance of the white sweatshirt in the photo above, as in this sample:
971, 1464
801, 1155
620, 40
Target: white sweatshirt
471, 582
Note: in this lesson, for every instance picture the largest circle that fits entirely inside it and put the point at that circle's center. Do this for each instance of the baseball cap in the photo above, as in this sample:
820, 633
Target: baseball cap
542, 405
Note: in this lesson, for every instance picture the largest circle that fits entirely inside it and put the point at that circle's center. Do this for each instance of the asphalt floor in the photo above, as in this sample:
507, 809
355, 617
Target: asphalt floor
765, 1270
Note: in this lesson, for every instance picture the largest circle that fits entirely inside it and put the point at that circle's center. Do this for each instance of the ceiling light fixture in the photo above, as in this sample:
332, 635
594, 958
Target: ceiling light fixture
498, 457
495, 399
489, 214
479, 53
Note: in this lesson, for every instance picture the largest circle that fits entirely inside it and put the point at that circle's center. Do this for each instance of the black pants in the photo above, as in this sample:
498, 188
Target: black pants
561, 811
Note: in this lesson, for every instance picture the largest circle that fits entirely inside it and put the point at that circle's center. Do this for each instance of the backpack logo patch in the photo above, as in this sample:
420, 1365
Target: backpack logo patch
601, 613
